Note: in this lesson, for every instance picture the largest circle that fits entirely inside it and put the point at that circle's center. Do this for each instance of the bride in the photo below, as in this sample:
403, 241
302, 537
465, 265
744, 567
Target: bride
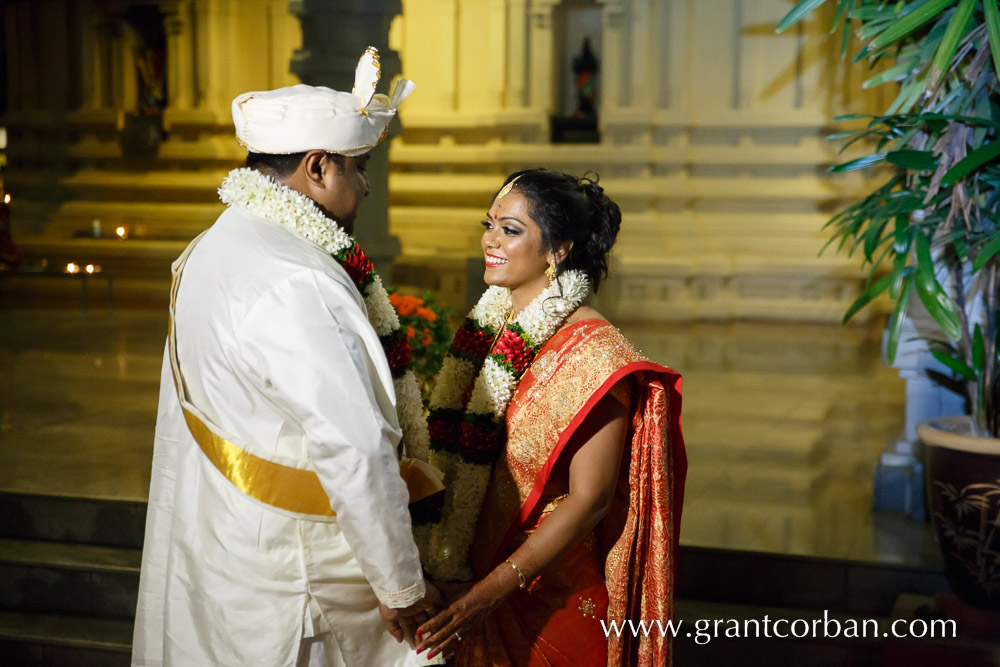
562, 450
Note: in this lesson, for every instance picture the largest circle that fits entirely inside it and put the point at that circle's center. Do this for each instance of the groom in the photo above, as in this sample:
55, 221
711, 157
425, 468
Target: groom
277, 522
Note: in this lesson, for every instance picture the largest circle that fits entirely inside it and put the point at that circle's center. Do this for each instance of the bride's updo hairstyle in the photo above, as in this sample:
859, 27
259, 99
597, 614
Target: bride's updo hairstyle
567, 208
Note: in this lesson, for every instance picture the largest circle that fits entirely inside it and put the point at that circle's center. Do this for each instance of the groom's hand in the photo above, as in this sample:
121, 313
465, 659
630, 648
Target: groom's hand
402, 623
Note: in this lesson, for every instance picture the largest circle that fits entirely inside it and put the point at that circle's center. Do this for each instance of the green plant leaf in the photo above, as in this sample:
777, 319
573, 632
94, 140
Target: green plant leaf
937, 302
841, 6
890, 74
991, 12
860, 163
977, 348
866, 297
852, 116
897, 320
909, 22
973, 160
915, 160
956, 366
949, 42
989, 251
797, 13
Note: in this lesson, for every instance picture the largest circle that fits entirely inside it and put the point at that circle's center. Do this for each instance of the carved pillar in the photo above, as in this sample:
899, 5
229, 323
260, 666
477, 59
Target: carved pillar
542, 50
180, 75
517, 64
496, 51
125, 85
613, 95
95, 62
638, 55
334, 35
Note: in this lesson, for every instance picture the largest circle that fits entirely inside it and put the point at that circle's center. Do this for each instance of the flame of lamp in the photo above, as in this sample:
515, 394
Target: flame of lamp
90, 268
72, 268
122, 232
6, 199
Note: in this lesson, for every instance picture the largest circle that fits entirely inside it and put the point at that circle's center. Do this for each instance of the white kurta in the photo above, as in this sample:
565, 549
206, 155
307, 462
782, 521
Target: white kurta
276, 350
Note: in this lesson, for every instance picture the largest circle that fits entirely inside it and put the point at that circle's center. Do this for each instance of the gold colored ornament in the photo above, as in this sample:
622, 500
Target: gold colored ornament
503, 327
550, 272
522, 581
505, 190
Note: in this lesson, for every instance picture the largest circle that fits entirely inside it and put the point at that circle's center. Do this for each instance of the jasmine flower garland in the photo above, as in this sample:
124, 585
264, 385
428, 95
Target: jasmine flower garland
255, 193
469, 404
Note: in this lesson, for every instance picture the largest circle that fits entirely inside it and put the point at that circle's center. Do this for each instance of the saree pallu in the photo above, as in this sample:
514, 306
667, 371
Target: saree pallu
622, 570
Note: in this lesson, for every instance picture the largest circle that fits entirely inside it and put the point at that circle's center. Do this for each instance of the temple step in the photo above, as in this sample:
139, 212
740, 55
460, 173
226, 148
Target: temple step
69, 579
65, 578
48, 640
93, 521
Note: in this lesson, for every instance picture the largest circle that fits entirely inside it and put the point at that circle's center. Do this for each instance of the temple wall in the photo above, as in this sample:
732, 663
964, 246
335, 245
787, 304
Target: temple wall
73, 89
711, 139
711, 133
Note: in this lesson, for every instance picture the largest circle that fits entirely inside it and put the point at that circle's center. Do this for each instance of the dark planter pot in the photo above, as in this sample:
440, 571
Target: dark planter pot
963, 494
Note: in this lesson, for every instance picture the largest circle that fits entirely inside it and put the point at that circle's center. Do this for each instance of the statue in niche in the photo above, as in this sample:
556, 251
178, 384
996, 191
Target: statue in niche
143, 131
586, 68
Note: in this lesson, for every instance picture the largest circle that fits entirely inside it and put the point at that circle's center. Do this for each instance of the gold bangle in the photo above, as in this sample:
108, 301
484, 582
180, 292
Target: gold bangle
521, 579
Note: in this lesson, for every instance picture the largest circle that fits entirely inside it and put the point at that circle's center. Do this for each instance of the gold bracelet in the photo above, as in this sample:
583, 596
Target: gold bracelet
521, 579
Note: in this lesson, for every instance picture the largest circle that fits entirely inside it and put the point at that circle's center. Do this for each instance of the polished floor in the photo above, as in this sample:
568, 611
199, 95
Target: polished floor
783, 423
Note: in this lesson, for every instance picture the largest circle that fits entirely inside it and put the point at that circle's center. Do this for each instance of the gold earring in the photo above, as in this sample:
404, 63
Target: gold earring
550, 272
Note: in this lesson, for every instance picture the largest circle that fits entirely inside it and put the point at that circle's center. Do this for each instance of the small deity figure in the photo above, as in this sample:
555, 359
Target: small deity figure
585, 67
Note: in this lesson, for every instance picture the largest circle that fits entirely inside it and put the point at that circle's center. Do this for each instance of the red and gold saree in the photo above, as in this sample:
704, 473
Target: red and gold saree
625, 568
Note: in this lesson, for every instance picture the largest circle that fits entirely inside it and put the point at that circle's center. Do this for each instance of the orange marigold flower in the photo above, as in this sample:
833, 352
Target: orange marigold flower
407, 305
410, 332
427, 314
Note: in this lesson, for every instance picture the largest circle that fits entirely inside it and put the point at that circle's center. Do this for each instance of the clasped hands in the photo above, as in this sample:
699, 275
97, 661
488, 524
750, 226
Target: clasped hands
435, 624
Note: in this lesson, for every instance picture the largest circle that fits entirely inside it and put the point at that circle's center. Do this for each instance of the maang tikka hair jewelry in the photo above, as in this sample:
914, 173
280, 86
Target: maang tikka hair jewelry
505, 190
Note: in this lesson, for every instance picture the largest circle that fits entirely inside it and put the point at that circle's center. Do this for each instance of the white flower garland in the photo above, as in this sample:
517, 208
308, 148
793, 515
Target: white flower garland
493, 385
255, 193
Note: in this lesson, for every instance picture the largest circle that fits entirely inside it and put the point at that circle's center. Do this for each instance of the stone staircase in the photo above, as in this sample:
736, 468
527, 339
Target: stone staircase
69, 576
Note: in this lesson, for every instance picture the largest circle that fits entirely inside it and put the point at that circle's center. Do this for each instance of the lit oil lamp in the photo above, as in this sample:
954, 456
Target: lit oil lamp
122, 233
72, 268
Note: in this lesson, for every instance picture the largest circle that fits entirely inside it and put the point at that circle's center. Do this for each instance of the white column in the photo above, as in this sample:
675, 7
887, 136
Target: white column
517, 56
180, 75
125, 87
542, 57
496, 53
640, 55
93, 62
613, 90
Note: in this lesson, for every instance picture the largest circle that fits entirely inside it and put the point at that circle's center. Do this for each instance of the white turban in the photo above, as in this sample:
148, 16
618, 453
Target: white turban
303, 118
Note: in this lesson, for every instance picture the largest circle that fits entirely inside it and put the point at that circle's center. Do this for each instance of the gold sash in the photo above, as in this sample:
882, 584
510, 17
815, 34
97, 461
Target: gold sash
296, 490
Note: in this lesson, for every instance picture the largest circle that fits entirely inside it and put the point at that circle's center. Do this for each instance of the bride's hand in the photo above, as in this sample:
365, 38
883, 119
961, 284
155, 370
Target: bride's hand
443, 633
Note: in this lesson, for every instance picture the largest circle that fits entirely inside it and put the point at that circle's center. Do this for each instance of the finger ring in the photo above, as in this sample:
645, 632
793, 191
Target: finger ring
458, 636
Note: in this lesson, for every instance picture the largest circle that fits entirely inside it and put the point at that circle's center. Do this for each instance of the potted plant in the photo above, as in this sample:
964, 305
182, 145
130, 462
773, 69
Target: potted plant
932, 229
